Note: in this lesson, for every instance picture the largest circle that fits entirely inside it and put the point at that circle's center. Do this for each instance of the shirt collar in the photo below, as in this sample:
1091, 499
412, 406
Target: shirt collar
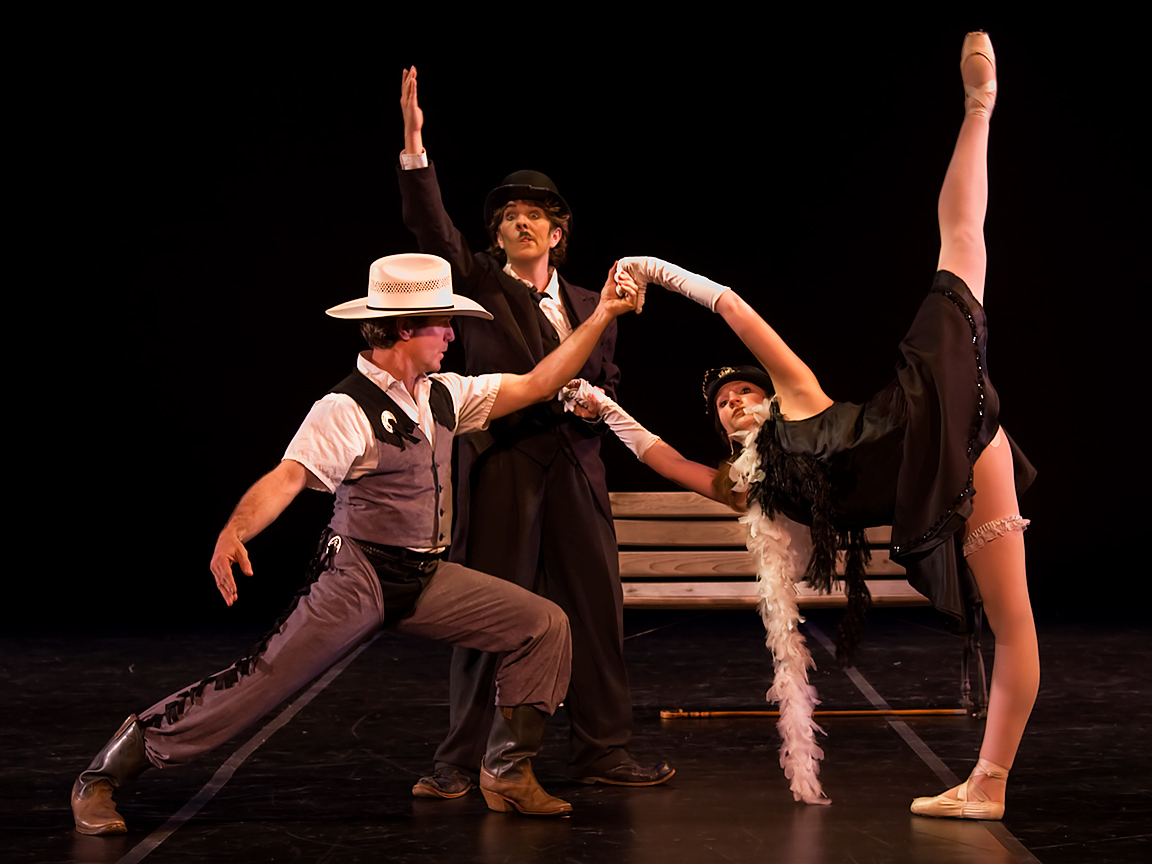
552, 289
382, 378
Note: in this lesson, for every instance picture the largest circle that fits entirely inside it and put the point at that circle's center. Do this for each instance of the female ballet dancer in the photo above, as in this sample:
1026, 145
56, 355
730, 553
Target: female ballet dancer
926, 454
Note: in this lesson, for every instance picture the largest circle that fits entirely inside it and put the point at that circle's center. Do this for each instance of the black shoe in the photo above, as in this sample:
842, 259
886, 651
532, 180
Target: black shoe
632, 774
444, 783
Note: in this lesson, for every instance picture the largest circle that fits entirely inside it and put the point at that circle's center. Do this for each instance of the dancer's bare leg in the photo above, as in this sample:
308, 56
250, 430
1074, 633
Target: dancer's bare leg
1000, 573
964, 194
998, 565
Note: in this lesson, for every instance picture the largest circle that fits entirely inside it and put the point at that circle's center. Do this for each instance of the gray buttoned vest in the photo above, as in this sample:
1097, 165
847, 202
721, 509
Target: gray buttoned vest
407, 500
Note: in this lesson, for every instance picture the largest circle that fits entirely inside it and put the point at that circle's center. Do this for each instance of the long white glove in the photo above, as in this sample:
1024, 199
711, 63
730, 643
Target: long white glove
634, 436
644, 269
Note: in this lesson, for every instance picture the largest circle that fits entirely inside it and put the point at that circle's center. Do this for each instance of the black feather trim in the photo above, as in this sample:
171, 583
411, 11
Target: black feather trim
797, 485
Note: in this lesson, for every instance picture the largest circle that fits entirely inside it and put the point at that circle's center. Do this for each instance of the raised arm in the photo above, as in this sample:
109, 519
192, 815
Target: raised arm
799, 393
258, 509
560, 366
413, 116
421, 205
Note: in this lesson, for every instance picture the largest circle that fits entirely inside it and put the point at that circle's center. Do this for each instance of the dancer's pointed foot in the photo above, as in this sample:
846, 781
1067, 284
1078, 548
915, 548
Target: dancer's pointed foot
969, 800
978, 71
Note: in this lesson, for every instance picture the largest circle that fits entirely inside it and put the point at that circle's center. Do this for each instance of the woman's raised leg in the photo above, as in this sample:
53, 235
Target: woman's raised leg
964, 194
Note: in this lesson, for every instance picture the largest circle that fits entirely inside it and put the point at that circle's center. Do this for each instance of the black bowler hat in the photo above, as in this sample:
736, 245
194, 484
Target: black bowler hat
527, 185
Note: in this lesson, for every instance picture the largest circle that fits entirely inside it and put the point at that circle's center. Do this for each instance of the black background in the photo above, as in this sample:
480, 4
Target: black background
200, 193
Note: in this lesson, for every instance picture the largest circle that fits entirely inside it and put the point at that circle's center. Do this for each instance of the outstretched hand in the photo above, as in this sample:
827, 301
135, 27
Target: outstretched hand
619, 294
641, 285
229, 550
582, 398
413, 116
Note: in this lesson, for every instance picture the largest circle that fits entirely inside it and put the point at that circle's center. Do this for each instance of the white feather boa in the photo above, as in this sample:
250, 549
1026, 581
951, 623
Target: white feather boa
782, 549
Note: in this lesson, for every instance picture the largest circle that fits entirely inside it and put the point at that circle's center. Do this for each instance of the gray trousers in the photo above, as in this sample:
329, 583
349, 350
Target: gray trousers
343, 609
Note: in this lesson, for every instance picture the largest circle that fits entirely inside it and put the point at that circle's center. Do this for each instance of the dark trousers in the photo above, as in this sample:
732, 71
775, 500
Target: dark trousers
540, 527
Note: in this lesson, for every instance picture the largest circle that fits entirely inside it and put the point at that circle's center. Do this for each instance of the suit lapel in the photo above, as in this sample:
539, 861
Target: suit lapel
578, 304
523, 328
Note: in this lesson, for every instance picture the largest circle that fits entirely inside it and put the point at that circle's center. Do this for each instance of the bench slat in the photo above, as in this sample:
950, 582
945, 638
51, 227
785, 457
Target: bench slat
667, 505
742, 595
713, 532
724, 564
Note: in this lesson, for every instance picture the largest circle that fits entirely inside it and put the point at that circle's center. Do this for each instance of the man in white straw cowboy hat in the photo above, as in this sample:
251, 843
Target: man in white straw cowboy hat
532, 506
381, 442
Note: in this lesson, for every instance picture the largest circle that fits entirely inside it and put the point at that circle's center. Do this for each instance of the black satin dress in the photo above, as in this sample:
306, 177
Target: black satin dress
905, 456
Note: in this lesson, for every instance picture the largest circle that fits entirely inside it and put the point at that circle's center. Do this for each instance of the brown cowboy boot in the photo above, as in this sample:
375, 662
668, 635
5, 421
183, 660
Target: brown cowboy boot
506, 778
119, 761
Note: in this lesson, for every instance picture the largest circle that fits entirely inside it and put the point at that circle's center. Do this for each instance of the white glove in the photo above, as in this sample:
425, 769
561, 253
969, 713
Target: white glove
639, 286
643, 270
634, 436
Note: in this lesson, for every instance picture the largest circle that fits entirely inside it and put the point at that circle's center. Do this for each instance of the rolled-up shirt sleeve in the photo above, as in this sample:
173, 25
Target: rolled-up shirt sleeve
335, 442
473, 397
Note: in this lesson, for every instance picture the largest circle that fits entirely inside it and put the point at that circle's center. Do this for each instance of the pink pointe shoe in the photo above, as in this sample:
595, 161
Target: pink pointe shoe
970, 802
979, 99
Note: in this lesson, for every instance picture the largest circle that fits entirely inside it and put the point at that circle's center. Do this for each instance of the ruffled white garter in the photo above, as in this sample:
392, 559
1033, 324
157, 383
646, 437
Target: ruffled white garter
782, 549
980, 537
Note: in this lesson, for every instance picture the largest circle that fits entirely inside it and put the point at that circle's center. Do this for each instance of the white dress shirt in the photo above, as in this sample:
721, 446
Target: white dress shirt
336, 442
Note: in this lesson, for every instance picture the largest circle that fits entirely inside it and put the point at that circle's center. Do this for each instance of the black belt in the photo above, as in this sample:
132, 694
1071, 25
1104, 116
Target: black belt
425, 561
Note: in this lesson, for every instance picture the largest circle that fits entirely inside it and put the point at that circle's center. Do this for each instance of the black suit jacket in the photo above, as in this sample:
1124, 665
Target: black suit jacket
514, 341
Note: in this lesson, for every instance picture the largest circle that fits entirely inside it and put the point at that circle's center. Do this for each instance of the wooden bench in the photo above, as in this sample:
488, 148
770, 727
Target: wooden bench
681, 550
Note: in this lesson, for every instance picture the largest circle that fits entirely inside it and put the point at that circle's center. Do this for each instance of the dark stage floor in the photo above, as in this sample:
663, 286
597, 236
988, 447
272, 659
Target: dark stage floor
331, 783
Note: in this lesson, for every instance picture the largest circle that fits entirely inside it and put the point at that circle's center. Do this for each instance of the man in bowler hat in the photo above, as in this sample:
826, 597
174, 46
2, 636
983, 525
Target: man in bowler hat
532, 502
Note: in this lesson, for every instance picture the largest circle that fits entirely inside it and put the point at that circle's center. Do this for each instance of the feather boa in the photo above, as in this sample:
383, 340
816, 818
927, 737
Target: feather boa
782, 549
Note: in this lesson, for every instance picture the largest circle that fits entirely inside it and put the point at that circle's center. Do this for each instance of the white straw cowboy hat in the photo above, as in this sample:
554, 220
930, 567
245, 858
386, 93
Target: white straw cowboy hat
409, 284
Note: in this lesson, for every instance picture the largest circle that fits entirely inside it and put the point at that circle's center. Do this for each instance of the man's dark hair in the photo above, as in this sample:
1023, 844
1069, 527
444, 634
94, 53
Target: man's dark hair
556, 217
380, 332
385, 332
